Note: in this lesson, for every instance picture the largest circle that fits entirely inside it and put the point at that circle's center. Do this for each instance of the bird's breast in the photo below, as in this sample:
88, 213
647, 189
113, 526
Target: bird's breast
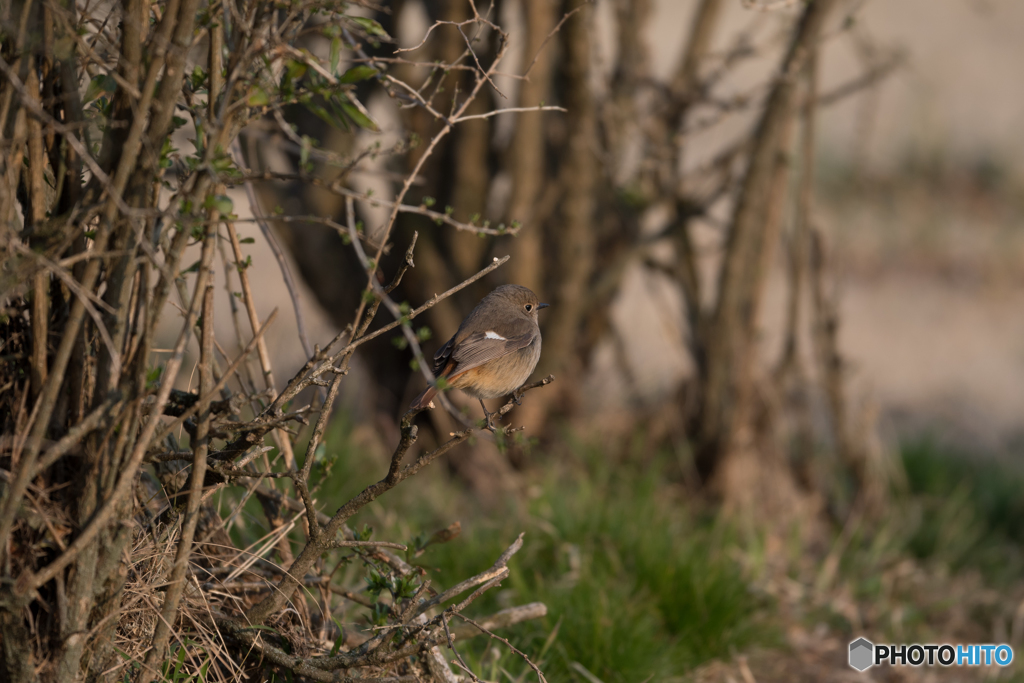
500, 376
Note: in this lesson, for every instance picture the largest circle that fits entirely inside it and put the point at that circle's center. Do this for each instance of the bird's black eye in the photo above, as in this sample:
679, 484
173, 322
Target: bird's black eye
529, 307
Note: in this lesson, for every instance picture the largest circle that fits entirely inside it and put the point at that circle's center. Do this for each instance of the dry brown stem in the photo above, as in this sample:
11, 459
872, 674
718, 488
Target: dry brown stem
89, 263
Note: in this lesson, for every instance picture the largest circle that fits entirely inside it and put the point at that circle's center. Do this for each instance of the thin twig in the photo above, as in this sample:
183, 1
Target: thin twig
337, 187
282, 261
497, 570
536, 669
556, 29
307, 374
88, 299
228, 372
176, 583
507, 110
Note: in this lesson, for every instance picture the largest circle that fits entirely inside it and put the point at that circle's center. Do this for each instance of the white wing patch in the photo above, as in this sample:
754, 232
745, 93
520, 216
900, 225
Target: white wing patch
491, 334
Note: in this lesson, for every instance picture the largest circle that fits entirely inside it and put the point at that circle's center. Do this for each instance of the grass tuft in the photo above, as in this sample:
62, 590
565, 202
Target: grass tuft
635, 585
968, 510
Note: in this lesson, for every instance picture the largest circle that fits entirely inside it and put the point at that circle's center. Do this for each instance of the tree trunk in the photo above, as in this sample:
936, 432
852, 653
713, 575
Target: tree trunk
730, 345
572, 244
526, 156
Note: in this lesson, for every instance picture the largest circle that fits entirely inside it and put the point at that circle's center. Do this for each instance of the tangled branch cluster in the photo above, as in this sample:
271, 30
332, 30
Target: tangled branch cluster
114, 557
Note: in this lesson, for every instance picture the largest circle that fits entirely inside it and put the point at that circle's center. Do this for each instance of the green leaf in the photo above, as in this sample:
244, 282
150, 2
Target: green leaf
371, 27
99, 85
379, 614
358, 73
258, 98
220, 203
336, 46
341, 638
326, 116
223, 164
248, 240
406, 587
295, 70
361, 119
165, 153
304, 152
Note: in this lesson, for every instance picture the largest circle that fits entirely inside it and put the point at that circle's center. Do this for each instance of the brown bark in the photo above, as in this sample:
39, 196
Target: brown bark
659, 175
34, 219
730, 345
702, 31
472, 183
789, 361
573, 245
684, 91
526, 160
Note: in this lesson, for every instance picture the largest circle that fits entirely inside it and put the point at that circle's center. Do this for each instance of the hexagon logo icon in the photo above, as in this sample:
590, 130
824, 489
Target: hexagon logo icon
861, 654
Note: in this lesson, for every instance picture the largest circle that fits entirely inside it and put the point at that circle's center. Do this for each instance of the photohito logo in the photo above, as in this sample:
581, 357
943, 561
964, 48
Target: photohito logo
864, 654
861, 654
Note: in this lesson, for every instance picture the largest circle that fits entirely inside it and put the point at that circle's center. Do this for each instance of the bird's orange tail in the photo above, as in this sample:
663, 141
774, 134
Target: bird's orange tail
424, 399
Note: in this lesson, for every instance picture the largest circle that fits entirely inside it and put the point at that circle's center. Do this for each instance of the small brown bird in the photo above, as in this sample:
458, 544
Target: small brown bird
495, 350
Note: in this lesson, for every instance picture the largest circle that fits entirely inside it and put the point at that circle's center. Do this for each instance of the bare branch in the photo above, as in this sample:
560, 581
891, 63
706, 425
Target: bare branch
498, 571
282, 262
507, 110
176, 584
226, 375
305, 376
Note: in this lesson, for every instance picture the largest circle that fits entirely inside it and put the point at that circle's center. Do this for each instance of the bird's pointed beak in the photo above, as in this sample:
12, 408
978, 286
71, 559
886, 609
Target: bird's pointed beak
540, 306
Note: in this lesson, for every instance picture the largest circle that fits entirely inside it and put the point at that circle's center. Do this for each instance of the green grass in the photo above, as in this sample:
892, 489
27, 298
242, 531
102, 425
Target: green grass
638, 584
955, 524
635, 585
968, 510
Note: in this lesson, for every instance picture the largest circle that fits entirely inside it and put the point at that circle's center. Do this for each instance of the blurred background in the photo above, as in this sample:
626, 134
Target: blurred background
863, 381
916, 189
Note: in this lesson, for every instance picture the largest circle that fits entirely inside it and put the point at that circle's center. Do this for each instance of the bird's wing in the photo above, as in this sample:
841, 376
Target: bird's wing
442, 355
483, 347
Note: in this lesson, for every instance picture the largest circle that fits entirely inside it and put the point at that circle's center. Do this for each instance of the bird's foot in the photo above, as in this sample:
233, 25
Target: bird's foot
489, 419
517, 398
